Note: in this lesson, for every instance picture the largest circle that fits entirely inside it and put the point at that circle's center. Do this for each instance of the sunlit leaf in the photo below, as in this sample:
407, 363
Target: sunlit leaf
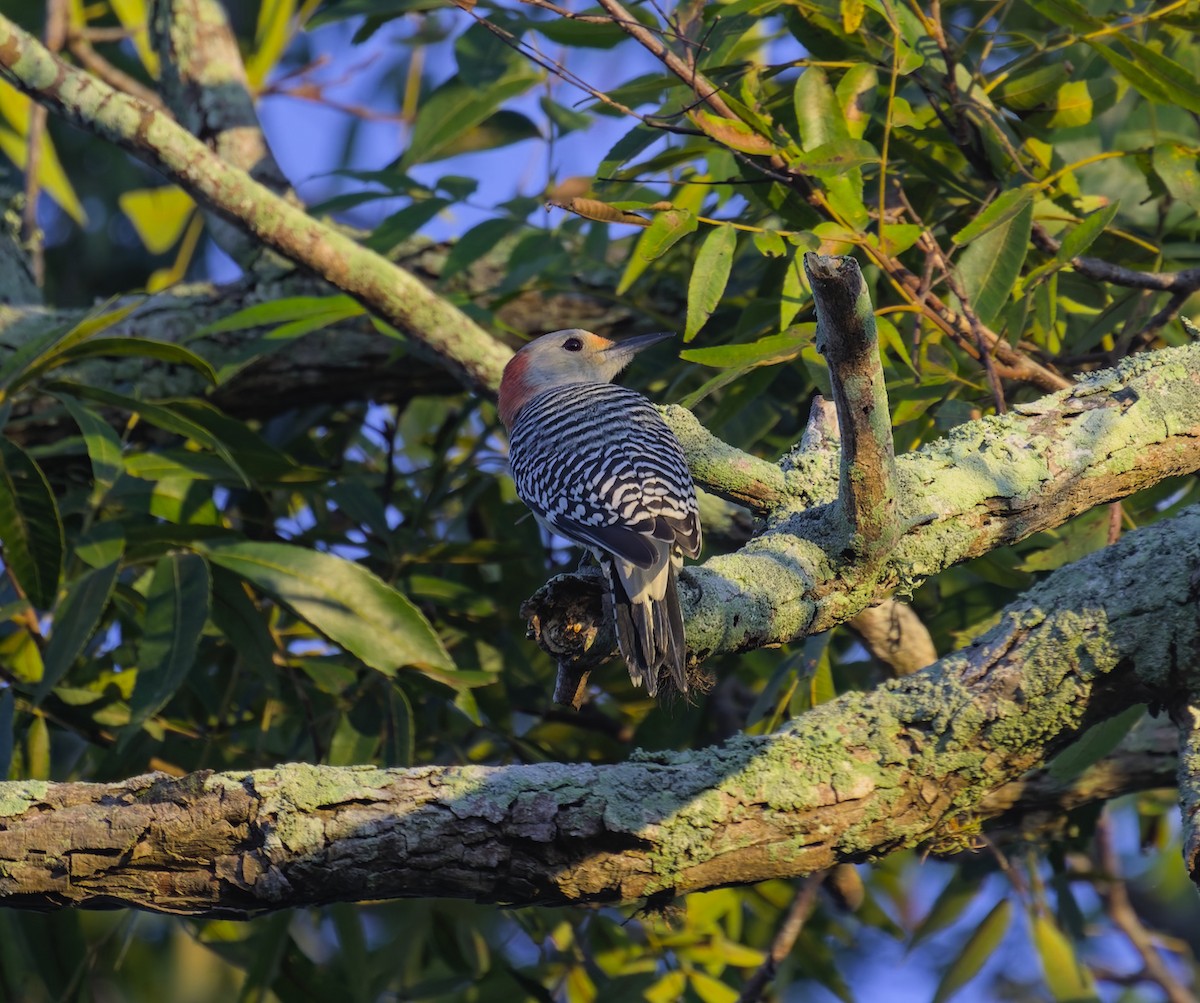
1067, 978
989, 267
667, 229
159, 215
996, 213
980, 946
709, 276
342, 600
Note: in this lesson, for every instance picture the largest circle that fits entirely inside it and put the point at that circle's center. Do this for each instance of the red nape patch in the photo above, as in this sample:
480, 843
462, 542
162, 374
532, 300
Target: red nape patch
514, 389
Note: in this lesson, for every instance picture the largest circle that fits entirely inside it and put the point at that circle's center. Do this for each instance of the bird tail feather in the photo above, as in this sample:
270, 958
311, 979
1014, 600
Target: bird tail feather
649, 622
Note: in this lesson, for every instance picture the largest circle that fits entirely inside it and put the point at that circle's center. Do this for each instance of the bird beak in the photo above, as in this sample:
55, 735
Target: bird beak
627, 348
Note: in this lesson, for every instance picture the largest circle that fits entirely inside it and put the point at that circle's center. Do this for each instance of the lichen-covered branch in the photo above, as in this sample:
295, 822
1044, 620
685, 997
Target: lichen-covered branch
846, 336
912, 762
472, 354
204, 83
986, 484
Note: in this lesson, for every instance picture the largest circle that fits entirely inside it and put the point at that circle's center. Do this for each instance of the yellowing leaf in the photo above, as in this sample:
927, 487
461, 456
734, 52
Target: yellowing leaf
711, 990
159, 215
735, 134
852, 15
134, 16
271, 37
980, 946
15, 107
1067, 979
668, 989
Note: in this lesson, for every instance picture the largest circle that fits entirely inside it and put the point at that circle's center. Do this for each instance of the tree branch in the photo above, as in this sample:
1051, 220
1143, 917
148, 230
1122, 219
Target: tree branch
846, 337
988, 483
473, 355
205, 86
909, 763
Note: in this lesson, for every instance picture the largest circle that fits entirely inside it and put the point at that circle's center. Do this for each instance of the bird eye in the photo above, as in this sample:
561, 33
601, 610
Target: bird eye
572, 345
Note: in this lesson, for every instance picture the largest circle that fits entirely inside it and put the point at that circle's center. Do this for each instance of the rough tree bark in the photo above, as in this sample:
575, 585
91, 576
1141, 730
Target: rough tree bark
924, 759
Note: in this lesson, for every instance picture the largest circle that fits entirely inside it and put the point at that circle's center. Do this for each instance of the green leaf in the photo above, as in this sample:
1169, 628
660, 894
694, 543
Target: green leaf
978, 949
768, 351
1081, 236
177, 605
457, 107
660, 236
950, 904
580, 34
6, 732
343, 601
148, 348
996, 213
855, 94
989, 268
350, 745
1094, 744
1153, 75
770, 244
282, 311
39, 355
31, 530
103, 446
233, 441
817, 111
709, 277
476, 242
241, 622
1068, 980
399, 226
794, 292
1175, 166
835, 158
37, 749
75, 621
1069, 14
626, 148
1034, 88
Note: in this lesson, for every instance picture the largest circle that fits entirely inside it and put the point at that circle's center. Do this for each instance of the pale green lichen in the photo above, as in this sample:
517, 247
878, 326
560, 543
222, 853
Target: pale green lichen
18, 796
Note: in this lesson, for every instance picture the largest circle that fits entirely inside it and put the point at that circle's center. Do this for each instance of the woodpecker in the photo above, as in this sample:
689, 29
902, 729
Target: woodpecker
597, 464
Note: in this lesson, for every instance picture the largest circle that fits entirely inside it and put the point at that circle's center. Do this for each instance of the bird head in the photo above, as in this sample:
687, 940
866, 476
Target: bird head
564, 357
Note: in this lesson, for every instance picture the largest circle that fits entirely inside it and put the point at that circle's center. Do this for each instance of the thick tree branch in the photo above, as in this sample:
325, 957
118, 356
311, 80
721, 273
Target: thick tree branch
988, 483
911, 762
473, 355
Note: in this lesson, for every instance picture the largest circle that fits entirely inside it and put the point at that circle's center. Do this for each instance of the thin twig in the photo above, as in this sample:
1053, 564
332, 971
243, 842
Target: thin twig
1115, 895
560, 71
704, 88
785, 937
81, 48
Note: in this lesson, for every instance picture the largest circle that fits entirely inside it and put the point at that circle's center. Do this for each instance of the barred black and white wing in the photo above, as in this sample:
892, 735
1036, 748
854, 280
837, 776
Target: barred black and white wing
598, 465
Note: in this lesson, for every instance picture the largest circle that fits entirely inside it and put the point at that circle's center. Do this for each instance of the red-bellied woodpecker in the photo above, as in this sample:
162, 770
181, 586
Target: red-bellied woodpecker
599, 466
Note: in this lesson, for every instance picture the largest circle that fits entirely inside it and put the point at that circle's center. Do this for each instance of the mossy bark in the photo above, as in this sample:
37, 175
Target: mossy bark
912, 762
